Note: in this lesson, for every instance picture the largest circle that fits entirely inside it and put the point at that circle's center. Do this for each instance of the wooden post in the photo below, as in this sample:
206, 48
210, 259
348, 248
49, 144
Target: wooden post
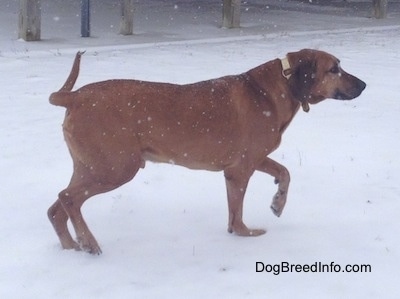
380, 8
85, 18
29, 20
126, 25
231, 14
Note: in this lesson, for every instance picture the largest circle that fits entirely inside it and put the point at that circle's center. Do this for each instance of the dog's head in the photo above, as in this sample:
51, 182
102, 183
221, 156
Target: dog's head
316, 76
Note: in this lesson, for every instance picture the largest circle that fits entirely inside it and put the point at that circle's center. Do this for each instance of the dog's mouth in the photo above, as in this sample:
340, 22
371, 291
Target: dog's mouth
339, 95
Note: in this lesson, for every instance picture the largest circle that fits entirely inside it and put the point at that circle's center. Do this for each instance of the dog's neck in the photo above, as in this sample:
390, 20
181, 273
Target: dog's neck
287, 73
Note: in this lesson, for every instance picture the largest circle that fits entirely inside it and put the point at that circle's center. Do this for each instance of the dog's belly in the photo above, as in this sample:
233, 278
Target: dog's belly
193, 158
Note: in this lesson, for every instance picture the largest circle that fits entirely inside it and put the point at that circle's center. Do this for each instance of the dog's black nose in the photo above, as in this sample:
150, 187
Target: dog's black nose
361, 85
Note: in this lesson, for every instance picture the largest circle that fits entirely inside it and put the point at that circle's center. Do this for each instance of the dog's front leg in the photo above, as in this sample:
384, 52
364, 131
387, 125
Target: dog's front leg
282, 177
236, 184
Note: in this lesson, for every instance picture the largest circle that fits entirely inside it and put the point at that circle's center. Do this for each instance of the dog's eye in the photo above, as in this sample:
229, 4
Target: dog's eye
334, 69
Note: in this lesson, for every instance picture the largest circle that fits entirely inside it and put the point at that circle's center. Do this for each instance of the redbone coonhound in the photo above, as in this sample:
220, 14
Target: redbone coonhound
228, 124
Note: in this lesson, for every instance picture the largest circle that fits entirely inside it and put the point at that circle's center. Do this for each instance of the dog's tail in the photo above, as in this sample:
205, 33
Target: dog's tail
59, 98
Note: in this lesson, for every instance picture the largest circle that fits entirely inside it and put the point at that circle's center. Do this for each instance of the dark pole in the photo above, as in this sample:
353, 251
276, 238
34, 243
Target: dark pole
85, 18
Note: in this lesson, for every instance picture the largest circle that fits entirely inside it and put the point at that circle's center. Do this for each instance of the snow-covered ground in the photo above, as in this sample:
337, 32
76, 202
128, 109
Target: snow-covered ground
164, 235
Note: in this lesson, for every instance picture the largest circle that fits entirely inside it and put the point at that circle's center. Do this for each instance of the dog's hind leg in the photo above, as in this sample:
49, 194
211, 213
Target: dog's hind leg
84, 184
58, 217
72, 199
236, 184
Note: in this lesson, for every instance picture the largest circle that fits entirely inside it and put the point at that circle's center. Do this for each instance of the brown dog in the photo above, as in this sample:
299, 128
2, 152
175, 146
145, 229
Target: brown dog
229, 124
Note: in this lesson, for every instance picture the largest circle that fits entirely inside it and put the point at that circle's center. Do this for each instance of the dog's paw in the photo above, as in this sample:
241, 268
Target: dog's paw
278, 203
90, 246
276, 211
256, 232
243, 231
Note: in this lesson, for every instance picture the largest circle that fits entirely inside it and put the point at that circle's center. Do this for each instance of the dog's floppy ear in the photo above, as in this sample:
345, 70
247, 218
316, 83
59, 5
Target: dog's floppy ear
303, 67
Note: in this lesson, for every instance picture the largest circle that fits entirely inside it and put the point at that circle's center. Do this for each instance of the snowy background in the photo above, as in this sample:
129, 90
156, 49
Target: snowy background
164, 235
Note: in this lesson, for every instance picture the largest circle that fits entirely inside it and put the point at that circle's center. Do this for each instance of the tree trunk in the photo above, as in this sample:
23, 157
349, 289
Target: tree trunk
29, 20
231, 14
126, 27
380, 8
